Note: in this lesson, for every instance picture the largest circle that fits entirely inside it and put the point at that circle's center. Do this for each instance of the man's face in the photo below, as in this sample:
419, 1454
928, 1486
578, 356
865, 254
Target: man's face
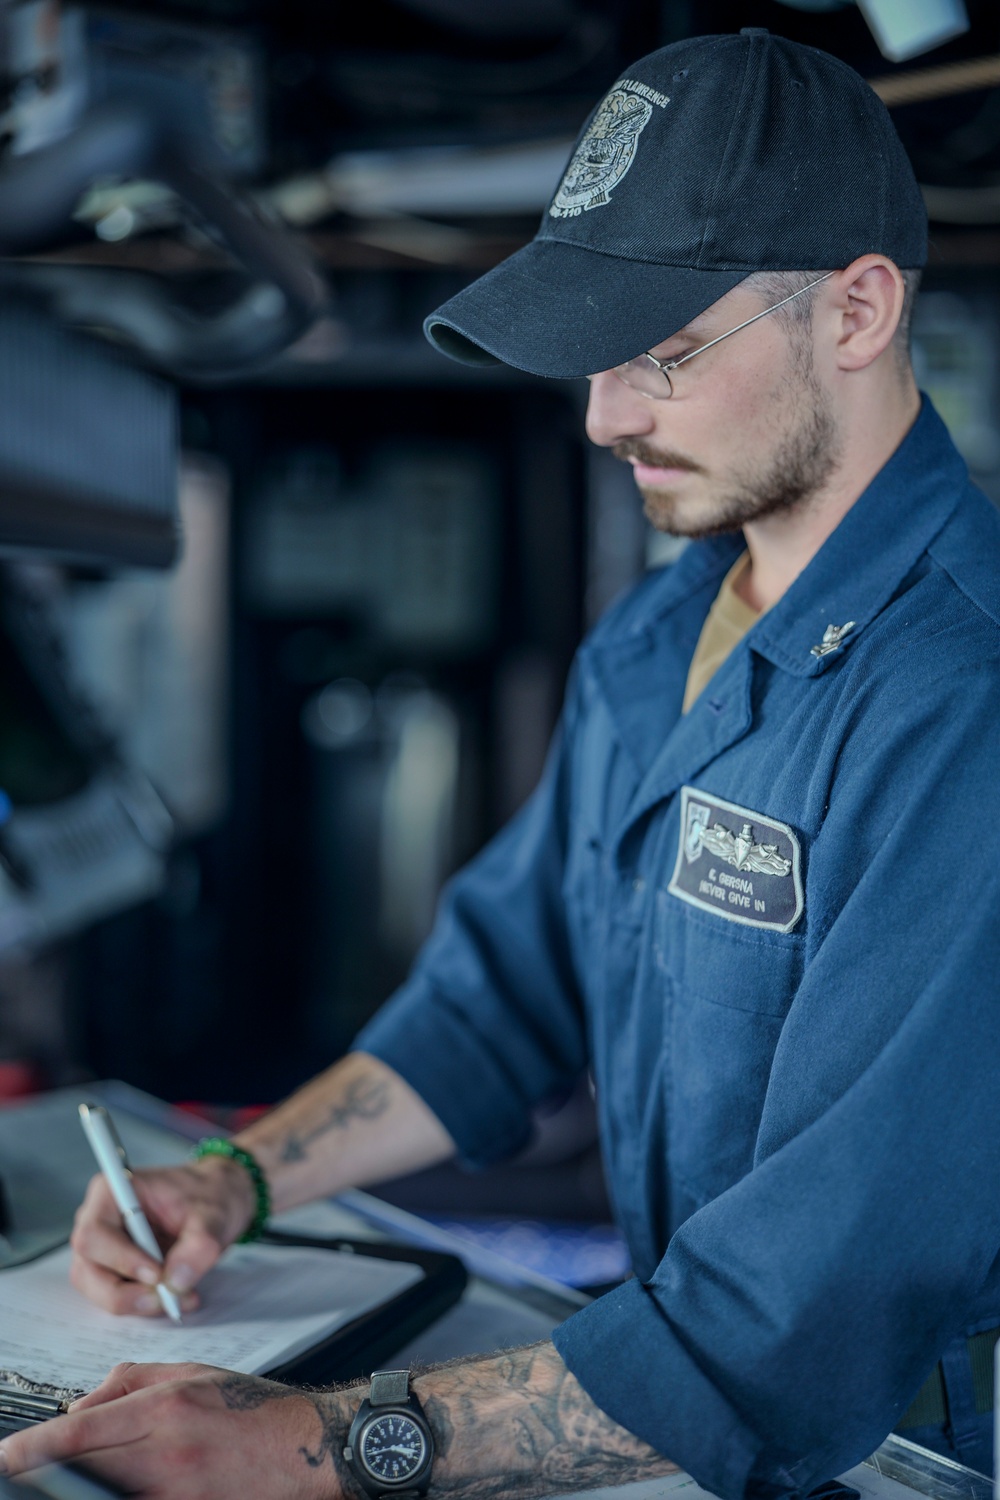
749, 431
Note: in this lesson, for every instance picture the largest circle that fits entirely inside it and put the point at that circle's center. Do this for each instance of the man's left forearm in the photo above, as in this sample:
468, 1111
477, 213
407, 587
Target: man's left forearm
516, 1422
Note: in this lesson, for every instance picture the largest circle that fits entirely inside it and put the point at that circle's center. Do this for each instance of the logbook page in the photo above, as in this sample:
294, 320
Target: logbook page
262, 1305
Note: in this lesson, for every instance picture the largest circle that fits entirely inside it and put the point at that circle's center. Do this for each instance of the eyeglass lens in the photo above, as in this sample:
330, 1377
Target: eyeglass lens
646, 377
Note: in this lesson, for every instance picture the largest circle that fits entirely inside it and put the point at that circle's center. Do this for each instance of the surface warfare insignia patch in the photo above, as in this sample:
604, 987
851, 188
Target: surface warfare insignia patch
607, 149
739, 864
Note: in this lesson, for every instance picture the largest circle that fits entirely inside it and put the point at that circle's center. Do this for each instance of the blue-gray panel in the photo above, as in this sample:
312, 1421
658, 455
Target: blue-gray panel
88, 447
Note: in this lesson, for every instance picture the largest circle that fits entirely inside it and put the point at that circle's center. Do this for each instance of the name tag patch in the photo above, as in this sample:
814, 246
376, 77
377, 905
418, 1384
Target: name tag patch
737, 863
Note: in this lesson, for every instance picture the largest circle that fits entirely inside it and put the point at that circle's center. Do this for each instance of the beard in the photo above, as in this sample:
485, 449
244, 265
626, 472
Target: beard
786, 480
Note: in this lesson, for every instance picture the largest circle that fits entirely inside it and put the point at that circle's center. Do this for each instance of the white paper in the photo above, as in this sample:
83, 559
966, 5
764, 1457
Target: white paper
263, 1305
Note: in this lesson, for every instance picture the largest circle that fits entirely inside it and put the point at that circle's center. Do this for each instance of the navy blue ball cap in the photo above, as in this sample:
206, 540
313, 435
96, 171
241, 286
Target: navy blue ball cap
709, 160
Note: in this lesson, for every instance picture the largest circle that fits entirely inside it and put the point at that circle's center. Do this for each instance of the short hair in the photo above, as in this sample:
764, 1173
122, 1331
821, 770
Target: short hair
773, 285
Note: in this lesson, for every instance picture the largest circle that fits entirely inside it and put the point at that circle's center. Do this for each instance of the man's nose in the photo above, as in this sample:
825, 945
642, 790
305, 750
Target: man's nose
615, 411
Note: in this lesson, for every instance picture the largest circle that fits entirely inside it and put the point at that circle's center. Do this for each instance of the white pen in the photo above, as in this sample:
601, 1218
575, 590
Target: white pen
110, 1154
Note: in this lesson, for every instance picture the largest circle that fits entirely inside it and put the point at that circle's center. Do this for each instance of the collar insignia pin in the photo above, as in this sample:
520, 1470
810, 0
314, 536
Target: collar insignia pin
833, 639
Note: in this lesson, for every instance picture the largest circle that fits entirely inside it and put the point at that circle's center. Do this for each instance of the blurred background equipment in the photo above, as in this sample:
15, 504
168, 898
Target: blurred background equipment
386, 834
112, 690
97, 99
903, 28
287, 601
99, 485
150, 651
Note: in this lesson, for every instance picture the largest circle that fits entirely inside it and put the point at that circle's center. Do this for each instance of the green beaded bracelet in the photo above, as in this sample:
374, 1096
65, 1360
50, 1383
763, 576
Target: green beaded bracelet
217, 1145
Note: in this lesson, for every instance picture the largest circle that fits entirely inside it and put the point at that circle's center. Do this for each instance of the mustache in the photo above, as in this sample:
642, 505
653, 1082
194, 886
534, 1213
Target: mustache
657, 458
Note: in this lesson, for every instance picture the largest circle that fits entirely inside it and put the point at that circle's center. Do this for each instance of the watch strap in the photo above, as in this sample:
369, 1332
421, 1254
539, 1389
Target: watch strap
390, 1388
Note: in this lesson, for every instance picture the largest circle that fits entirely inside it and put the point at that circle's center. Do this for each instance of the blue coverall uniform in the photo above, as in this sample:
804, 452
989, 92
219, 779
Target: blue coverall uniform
769, 928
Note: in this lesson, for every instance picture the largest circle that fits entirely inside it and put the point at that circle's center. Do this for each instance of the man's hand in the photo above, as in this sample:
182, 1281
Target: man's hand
356, 1123
517, 1423
192, 1432
195, 1211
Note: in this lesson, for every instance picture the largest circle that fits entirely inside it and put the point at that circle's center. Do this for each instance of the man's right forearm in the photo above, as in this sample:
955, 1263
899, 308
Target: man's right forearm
357, 1123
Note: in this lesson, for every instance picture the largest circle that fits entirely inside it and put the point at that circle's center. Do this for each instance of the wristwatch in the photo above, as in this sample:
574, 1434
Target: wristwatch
390, 1448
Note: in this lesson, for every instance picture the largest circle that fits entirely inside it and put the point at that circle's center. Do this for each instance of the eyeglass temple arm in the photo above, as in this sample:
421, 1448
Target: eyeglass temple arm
672, 364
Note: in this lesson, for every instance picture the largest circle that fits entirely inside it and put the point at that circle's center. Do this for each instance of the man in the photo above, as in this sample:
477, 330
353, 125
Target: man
754, 892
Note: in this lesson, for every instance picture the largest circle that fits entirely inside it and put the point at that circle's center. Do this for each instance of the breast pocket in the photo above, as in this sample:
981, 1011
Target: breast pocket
728, 989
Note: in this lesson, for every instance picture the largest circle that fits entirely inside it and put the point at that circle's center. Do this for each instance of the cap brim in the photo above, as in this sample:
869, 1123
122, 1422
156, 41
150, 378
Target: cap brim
561, 310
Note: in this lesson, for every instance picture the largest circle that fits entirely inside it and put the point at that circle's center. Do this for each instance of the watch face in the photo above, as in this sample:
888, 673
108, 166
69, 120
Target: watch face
393, 1448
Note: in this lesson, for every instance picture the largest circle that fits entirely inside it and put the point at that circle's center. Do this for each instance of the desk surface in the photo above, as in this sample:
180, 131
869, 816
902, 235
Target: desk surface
45, 1164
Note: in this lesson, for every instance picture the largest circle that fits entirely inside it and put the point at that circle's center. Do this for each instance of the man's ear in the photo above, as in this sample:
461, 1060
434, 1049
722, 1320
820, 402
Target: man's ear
867, 297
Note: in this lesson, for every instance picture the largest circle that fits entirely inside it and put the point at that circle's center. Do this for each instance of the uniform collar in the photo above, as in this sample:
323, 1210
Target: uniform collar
860, 566
641, 661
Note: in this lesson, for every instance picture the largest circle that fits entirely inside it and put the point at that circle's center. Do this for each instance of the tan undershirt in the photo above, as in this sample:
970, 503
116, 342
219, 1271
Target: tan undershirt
728, 621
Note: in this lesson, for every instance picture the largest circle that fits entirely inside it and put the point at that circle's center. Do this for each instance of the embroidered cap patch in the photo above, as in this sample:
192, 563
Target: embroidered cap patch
607, 149
739, 864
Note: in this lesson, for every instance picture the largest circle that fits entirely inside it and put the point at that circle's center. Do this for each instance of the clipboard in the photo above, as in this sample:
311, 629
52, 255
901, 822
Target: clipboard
350, 1352
357, 1348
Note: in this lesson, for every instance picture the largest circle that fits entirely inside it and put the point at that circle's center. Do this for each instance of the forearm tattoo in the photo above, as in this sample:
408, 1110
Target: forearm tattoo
334, 1409
363, 1099
519, 1424
248, 1392
515, 1424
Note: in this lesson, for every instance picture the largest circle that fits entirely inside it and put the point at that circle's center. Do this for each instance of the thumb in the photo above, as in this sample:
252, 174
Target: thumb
117, 1382
194, 1252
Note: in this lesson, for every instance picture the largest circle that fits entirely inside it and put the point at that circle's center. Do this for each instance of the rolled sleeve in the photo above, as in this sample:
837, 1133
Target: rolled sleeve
633, 1365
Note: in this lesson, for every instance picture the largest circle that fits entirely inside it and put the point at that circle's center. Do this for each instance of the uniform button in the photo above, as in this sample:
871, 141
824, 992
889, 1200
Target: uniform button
638, 884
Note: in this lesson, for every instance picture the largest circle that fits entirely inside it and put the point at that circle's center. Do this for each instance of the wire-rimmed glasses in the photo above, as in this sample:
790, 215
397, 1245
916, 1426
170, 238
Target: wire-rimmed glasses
651, 376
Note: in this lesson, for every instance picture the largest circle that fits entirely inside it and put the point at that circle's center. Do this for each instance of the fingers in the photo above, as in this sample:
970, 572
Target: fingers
173, 1430
69, 1437
193, 1253
121, 1296
128, 1377
117, 1382
151, 1429
99, 1238
117, 1412
188, 1209
107, 1289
